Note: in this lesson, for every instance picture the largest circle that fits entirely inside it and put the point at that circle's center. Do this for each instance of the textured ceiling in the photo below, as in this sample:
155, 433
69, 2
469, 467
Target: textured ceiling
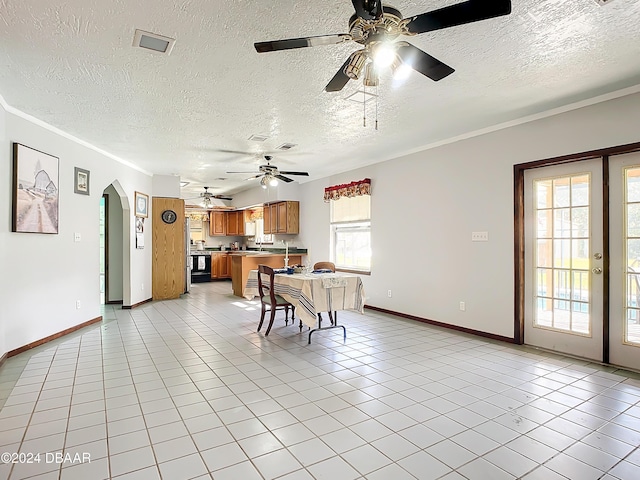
72, 64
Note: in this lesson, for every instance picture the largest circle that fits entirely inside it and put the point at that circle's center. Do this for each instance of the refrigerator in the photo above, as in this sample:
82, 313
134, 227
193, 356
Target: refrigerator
187, 255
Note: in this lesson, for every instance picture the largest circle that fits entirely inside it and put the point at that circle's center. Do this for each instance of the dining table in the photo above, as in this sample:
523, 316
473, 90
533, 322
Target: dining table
313, 293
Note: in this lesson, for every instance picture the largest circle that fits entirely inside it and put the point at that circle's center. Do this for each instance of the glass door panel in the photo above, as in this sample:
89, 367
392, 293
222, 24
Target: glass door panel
563, 308
625, 260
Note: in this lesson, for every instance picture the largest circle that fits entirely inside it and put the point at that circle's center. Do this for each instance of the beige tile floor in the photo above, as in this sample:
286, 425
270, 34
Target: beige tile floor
187, 389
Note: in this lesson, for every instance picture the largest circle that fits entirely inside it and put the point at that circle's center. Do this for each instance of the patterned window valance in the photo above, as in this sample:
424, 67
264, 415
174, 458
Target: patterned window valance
353, 189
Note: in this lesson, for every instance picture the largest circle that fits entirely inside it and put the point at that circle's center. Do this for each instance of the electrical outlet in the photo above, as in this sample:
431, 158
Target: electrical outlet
389, 293
77, 237
142, 286
77, 304
463, 307
479, 236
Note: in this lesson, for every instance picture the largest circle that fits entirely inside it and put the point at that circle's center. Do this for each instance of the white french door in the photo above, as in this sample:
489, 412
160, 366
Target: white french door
566, 265
624, 330
563, 258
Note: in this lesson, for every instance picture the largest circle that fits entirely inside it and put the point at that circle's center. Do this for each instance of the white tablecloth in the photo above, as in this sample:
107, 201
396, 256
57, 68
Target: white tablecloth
312, 293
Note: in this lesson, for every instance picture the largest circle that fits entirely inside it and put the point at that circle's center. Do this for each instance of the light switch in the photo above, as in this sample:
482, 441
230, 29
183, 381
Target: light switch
479, 236
77, 237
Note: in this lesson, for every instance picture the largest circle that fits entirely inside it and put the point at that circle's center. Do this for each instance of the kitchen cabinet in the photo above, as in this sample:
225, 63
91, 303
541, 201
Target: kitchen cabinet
266, 219
282, 217
220, 265
217, 223
235, 223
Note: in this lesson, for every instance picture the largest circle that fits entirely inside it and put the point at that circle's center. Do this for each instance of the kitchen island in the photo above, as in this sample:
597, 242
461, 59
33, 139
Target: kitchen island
243, 262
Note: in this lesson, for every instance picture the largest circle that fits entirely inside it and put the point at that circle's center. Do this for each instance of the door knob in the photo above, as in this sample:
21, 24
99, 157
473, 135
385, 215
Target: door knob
597, 256
597, 270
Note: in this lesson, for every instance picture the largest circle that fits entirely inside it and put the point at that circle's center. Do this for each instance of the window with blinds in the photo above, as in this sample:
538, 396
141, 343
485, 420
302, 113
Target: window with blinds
351, 233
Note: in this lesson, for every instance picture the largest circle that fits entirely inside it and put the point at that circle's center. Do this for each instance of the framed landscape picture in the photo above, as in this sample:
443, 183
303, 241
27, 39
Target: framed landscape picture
81, 181
142, 204
35, 191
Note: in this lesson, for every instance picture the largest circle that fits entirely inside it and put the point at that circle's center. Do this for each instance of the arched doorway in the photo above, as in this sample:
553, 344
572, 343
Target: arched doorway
116, 252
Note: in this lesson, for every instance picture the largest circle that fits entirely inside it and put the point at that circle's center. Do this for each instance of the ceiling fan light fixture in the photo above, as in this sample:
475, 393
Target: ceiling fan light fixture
400, 70
356, 63
273, 181
384, 56
371, 78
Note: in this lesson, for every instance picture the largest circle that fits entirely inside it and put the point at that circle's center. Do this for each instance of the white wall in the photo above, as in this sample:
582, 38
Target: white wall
114, 247
167, 186
425, 206
5, 223
44, 275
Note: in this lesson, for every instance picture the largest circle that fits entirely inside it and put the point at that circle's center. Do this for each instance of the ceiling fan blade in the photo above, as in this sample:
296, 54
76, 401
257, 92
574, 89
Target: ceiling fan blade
339, 80
368, 9
222, 197
255, 176
306, 174
458, 14
284, 179
289, 43
240, 172
422, 62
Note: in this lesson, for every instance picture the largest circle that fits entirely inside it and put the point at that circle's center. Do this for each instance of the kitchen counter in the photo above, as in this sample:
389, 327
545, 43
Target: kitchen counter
297, 251
241, 265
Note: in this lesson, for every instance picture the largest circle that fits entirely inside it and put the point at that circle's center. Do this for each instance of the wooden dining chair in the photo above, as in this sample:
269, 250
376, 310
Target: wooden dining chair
326, 266
268, 298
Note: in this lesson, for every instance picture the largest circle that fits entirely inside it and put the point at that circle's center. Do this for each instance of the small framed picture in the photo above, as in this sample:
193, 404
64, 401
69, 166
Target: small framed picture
139, 225
142, 204
81, 181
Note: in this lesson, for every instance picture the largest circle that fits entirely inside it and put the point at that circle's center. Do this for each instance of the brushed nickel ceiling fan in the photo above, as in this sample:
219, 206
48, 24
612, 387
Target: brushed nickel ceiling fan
271, 174
377, 26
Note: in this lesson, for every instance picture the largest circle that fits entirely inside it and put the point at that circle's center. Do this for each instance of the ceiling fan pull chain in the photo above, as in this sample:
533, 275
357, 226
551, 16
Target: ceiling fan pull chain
364, 105
376, 107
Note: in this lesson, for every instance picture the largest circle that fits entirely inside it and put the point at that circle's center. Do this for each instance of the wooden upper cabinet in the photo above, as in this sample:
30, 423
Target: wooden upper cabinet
273, 213
217, 223
235, 223
282, 209
266, 220
282, 217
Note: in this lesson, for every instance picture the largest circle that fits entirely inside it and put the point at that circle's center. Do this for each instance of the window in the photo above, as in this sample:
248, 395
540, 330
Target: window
351, 233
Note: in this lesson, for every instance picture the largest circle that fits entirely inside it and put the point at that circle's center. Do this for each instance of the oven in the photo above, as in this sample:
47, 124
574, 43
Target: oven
201, 267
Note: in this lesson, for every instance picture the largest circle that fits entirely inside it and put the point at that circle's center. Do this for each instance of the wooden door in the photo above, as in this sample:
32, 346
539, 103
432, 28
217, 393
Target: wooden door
168, 250
232, 223
224, 267
217, 223
273, 212
282, 217
266, 219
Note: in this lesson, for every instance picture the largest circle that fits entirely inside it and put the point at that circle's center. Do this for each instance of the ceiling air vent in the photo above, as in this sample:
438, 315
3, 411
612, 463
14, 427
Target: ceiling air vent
287, 146
258, 138
603, 2
153, 41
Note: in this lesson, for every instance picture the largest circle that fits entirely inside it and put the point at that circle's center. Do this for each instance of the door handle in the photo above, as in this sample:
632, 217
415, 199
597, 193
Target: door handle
597, 270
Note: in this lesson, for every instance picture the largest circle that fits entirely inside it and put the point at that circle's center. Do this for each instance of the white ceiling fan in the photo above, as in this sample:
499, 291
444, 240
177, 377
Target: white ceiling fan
207, 198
